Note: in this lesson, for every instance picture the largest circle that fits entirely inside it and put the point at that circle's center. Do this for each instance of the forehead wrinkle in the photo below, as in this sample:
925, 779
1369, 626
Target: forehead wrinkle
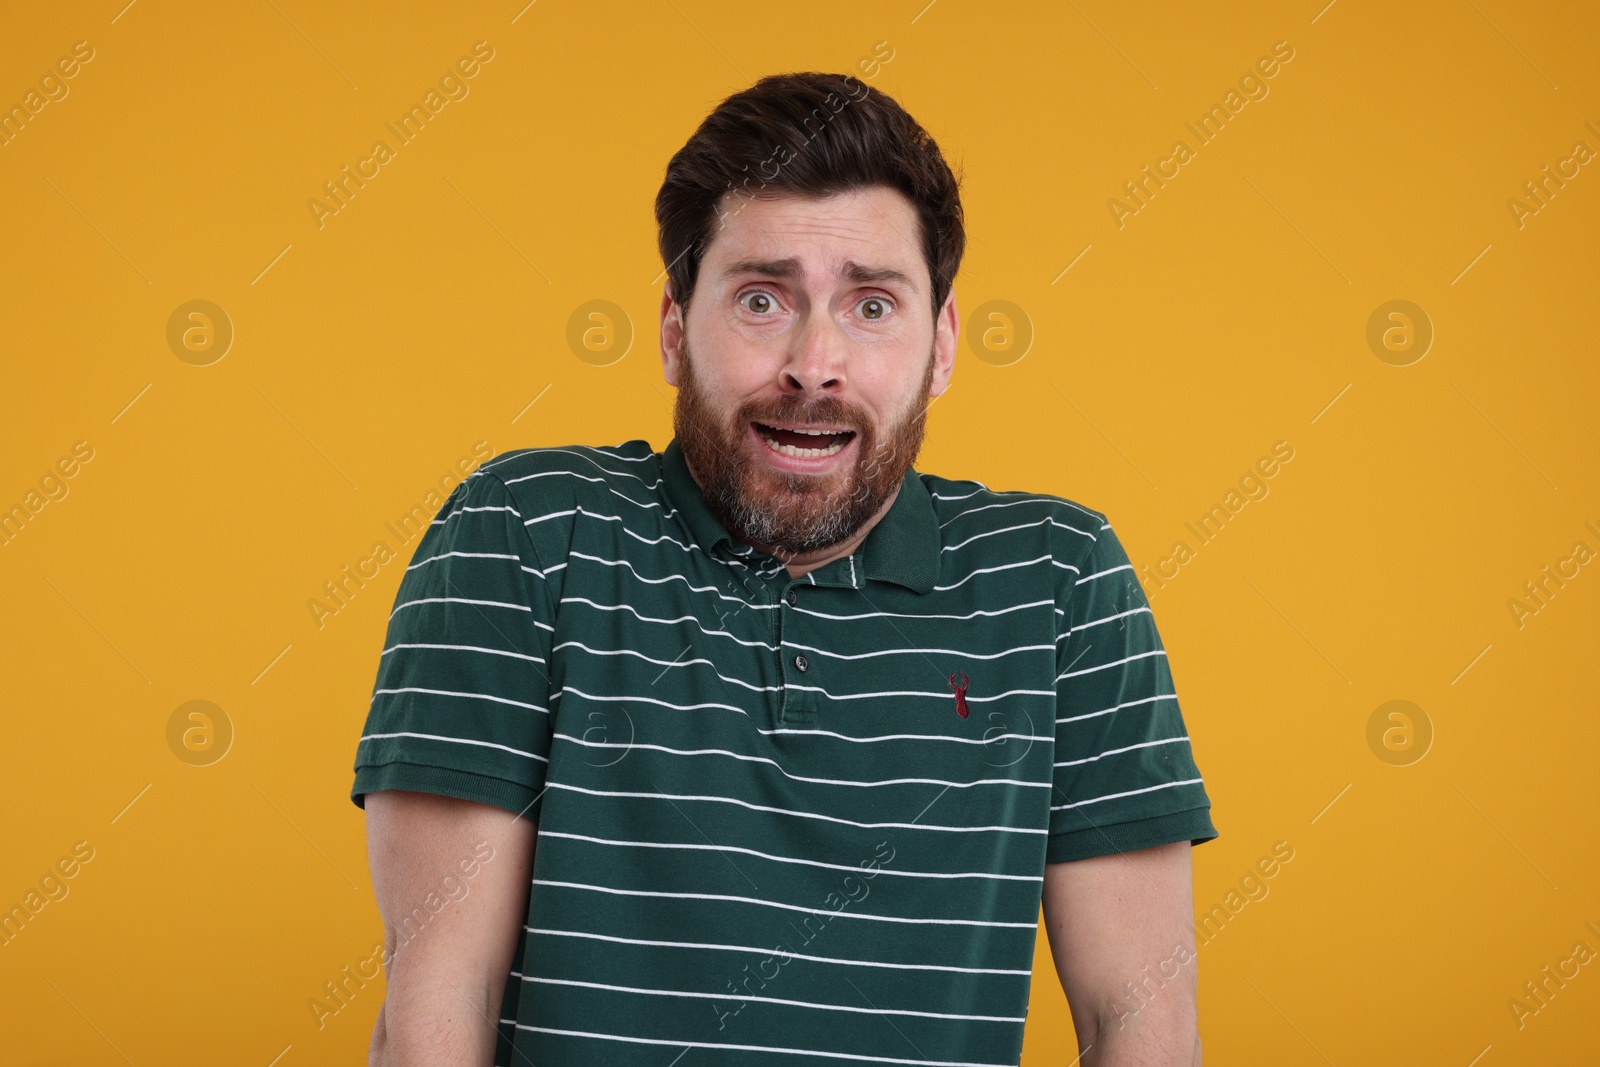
844, 229
766, 237
792, 267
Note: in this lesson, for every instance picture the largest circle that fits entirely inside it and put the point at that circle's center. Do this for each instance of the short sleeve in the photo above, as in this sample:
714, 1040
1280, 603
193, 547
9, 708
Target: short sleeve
460, 705
1125, 776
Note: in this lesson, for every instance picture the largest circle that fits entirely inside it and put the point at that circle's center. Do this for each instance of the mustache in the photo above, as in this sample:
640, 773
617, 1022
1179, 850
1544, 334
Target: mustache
830, 410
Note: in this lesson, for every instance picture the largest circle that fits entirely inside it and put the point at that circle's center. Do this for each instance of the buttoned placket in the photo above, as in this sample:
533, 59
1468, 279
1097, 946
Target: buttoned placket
803, 674
755, 572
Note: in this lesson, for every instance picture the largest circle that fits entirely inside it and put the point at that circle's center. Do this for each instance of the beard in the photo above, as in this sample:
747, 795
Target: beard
793, 514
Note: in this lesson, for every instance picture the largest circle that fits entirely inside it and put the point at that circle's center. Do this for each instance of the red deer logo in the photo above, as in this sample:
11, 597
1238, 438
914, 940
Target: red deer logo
961, 694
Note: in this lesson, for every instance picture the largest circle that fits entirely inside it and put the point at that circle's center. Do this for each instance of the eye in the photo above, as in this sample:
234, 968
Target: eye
760, 301
874, 308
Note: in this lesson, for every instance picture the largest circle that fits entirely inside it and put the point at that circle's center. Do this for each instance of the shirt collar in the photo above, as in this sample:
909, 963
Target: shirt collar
903, 548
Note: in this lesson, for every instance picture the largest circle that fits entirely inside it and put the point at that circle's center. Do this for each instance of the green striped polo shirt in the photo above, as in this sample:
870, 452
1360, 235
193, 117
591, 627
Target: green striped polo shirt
781, 821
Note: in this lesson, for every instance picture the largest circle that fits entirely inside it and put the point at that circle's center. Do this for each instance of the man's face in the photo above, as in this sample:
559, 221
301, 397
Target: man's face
806, 364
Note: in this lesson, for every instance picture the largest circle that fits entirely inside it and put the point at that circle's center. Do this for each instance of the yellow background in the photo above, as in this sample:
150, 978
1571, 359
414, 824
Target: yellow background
1230, 313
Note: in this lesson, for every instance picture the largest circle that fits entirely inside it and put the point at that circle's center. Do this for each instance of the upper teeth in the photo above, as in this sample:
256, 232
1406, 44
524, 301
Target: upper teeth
791, 450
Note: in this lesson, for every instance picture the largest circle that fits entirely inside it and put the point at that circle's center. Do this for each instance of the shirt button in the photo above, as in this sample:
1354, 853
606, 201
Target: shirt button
793, 598
801, 663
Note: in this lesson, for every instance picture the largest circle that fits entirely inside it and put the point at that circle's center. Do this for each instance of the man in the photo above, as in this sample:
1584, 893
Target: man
803, 735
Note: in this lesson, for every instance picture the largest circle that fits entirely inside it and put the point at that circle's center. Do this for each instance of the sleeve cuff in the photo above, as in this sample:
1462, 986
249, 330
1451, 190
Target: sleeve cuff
514, 797
1193, 826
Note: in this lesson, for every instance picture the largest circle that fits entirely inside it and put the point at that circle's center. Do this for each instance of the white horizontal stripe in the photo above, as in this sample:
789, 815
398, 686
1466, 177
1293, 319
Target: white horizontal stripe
944, 695
599, 481
465, 507
785, 907
470, 555
458, 600
666, 663
641, 538
582, 453
650, 700
453, 693
917, 737
1093, 514
985, 507
714, 799
547, 516
586, 513
1025, 526
462, 648
1113, 663
1125, 748
770, 1000
801, 609
1108, 618
992, 533
690, 846
669, 578
579, 477
989, 570
1102, 574
753, 1048
457, 741
1041, 499
1019, 493
1119, 707
614, 452
1128, 793
761, 951
667, 622
796, 777
962, 653
666, 512
500, 461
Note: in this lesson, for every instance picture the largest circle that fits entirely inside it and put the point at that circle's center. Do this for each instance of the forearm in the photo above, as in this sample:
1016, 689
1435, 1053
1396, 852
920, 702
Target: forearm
435, 1021
1142, 1039
452, 879
1123, 944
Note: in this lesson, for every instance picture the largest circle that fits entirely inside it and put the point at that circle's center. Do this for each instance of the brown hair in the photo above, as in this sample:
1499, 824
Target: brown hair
812, 135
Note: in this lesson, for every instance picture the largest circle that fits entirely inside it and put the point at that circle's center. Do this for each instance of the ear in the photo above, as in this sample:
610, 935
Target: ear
946, 338
672, 330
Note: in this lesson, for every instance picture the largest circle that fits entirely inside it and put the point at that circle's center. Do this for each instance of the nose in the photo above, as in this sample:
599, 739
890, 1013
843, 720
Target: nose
816, 358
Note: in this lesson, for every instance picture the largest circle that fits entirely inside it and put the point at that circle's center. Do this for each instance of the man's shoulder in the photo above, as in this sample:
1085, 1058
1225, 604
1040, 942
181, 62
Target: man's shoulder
966, 507
556, 477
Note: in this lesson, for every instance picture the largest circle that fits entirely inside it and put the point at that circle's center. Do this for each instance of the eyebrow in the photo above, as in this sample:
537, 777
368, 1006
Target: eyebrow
790, 268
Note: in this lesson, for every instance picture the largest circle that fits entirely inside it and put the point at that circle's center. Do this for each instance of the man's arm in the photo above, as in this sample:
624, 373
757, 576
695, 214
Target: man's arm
449, 936
1121, 932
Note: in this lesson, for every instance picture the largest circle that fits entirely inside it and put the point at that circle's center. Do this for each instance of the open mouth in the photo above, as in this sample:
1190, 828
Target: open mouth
804, 442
